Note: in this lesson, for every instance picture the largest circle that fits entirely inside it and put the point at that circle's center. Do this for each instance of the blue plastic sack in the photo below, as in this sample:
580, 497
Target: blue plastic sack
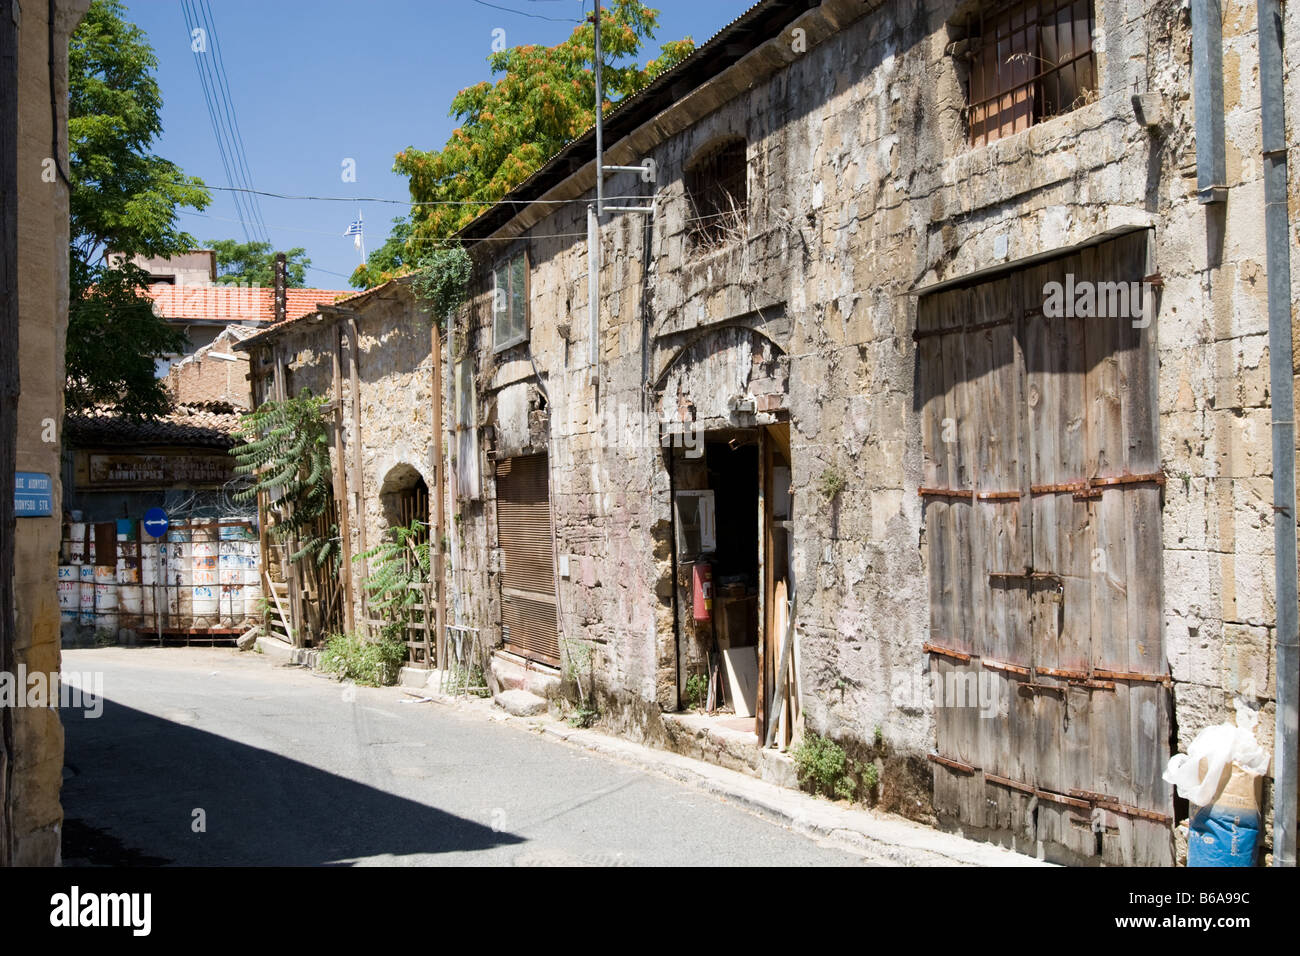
1223, 836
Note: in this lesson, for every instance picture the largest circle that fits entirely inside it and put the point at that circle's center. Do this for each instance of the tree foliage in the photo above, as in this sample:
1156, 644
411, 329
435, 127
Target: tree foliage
545, 97
123, 203
284, 446
442, 280
253, 263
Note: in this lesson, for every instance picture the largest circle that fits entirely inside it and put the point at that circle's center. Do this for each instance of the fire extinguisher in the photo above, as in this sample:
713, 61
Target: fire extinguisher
702, 581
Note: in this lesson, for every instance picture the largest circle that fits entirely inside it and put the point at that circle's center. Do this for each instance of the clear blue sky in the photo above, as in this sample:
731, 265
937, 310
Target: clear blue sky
315, 82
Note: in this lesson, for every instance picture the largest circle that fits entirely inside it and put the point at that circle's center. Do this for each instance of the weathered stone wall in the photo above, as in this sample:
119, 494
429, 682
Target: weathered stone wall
43, 319
863, 190
395, 387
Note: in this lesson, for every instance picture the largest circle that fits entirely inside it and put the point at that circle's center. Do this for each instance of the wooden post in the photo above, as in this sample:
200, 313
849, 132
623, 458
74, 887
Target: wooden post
358, 482
439, 510
8, 391
341, 483
280, 297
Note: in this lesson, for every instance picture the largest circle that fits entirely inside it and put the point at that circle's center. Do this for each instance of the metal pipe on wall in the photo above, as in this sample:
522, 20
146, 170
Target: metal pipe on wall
1281, 386
1207, 88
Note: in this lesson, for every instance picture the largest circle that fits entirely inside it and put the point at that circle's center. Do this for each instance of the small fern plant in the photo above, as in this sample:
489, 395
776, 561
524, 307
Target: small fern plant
284, 448
397, 565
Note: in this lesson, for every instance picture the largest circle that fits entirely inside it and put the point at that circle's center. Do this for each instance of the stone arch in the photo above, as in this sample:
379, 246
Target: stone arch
725, 376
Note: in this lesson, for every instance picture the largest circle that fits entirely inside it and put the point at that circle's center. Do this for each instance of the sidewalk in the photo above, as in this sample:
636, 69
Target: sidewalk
886, 839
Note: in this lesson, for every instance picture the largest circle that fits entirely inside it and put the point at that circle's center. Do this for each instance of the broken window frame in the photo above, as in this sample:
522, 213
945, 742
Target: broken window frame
510, 302
717, 186
1012, 85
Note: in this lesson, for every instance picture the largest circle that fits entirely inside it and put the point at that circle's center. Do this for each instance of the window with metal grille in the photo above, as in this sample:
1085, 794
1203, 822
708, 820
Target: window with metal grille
510, 301
716, 187
1028, 62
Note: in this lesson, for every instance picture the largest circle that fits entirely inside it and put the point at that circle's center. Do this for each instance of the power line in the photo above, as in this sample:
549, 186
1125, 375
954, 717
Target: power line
224, 123
523, 13
429, 202
232, 116
216, 129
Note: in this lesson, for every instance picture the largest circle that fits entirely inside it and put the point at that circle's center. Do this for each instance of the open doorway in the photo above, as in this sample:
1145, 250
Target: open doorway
725, 577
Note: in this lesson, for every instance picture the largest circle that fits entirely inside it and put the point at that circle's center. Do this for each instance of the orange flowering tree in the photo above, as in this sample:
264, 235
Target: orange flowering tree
543, 98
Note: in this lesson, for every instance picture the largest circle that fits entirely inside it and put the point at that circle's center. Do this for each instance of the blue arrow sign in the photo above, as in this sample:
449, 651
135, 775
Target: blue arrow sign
156, 523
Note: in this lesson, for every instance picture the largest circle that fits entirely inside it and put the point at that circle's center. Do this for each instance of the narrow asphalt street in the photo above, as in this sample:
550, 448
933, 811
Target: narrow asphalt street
206, 757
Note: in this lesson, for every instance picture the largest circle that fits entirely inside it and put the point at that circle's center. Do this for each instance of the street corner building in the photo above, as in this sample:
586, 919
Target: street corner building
906, 382
33, 323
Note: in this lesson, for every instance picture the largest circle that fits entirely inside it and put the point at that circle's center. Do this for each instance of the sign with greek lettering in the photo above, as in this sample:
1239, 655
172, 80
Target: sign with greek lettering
33, 495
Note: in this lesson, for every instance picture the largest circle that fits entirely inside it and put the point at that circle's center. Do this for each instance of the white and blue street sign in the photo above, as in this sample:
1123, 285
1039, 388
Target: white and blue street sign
33, 495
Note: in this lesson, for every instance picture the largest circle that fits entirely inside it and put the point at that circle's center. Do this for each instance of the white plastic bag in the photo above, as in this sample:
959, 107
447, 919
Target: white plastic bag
1218, 746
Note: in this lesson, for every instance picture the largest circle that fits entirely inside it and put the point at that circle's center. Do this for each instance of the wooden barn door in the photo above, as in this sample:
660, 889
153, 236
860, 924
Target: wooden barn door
1042, 500
528, 621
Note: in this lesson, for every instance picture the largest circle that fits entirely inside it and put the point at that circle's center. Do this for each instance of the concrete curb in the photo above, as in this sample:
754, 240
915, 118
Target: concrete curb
279, 652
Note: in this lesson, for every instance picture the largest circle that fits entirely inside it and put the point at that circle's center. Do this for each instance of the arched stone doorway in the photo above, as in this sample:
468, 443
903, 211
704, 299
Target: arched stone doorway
404, 497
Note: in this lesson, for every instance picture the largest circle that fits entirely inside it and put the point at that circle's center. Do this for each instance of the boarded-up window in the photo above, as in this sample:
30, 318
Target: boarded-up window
716, 187
528, 621
1029, 62
1042, 495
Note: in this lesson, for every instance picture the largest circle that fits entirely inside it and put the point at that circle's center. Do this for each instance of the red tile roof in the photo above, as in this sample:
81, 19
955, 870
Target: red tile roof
228, 303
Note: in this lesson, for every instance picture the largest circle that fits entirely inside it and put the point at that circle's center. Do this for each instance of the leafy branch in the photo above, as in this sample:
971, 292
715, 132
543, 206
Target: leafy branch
285, 448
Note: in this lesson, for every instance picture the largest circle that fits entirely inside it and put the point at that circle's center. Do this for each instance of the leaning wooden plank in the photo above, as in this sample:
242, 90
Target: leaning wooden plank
782, 663
741, 665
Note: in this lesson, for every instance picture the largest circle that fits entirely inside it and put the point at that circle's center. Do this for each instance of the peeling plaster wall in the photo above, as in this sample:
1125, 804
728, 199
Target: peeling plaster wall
862, 190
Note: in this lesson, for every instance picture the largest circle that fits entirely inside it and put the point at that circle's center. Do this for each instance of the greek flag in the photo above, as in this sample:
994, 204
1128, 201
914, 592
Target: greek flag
355, 230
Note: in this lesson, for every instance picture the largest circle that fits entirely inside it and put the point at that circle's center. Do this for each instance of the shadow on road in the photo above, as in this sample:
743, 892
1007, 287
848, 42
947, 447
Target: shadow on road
141, 779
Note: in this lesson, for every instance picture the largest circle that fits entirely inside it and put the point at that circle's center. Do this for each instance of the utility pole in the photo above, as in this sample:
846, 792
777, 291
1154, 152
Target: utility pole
281, 281
596, 211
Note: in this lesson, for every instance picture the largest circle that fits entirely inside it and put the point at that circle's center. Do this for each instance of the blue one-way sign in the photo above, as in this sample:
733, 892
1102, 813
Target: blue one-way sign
156, 523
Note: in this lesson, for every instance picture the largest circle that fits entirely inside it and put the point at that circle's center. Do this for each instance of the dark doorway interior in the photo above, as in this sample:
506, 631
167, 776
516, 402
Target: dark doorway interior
733, 478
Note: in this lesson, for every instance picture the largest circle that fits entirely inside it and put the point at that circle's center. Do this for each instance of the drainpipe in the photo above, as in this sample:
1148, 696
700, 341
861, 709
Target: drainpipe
1207, 87
593, 290
1276, 236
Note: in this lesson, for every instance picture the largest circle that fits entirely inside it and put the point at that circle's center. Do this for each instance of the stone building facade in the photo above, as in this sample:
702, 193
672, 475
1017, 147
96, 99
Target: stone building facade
34, 295
869, 335
370, 355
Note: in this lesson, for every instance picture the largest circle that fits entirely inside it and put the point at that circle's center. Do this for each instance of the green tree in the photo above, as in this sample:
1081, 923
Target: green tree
123, 203
253, 263
545, 97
